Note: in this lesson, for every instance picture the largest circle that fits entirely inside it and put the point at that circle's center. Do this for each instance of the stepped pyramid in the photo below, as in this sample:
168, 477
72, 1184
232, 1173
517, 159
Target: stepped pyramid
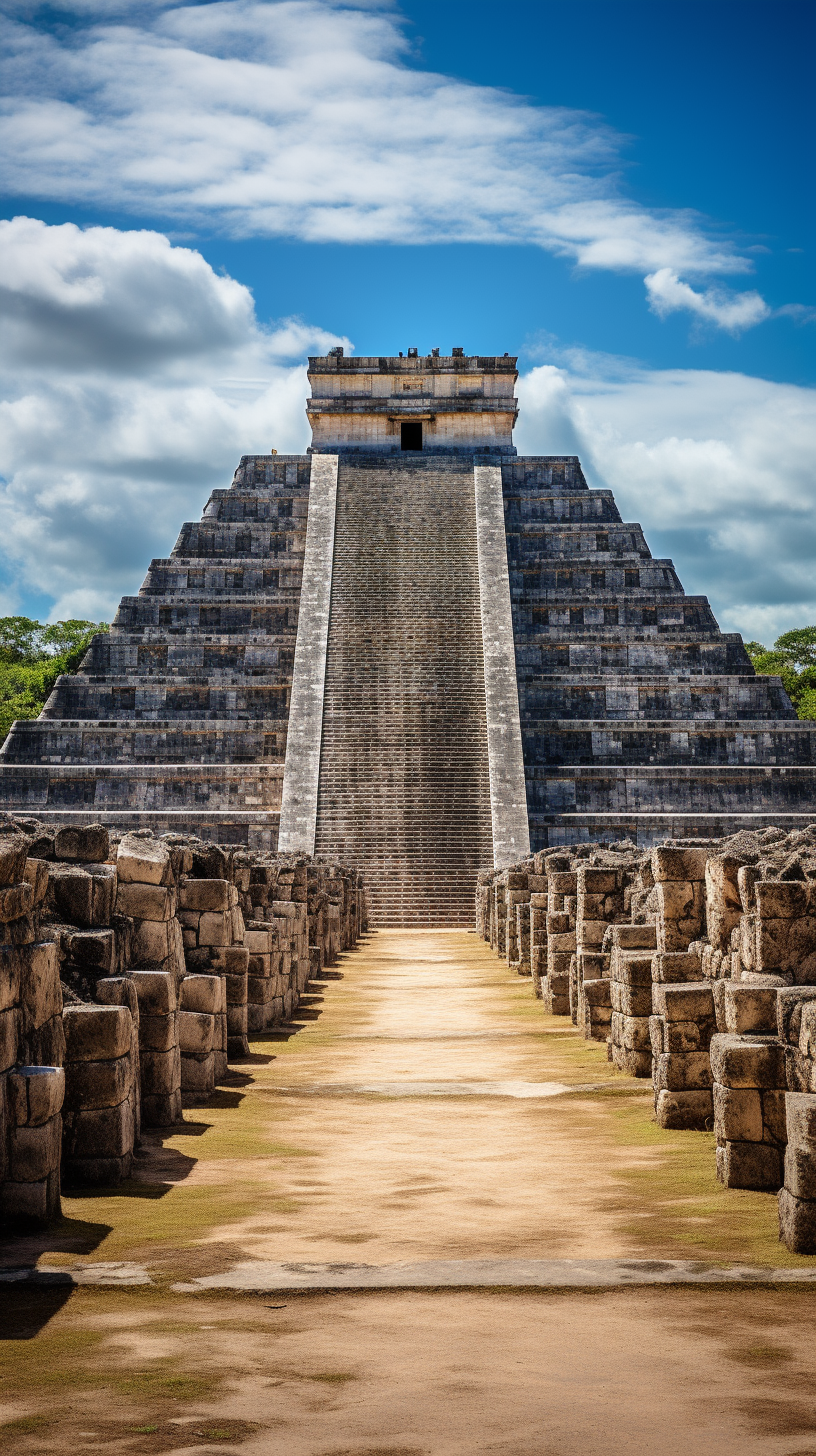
415, 651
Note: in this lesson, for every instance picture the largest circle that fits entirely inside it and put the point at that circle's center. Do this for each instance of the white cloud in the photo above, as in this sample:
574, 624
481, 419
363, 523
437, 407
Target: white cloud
718, 467
733, 312
302, 118
133, 378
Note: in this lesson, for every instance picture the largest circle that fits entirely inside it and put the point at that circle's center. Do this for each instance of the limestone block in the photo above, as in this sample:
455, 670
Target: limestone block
15, 901
675, 899
198, 1074
781, 899
40, 990
157, 1033
634, 1063
690, 1111
94, 948
215, 928
748, 1008
631, 1000
14, 851
119, 991
201, 993
678, 864
96, 1033
34, 1152
35, 872
154, 940
98, 1172
737, 1114
597, 993
797, 1222
97, 1084
800, 1071
161, 1073
682, 1071
196, 1033
31, 1204
10, 962
675, 966
88, 843
800, 1170
44, 1046
590, 932
156, 991
723, 903
143, 861
750, 1165
800, 1114
236, 989
685, 1036
35, 1095
631, 1032
740, 1061
162, 1109
205, 895
102, 1132
747, 876
789, 1005
691, 1001
146, 902
635, 937
85, 896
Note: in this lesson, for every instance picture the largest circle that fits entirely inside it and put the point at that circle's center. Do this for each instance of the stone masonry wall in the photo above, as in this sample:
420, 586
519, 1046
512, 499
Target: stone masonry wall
696, 965
132, 970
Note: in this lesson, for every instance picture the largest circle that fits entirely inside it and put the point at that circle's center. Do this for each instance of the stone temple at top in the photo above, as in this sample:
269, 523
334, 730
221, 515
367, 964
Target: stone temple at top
416, 652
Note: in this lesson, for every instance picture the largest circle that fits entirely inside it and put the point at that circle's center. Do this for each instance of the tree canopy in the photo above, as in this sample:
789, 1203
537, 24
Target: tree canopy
793, 658
32, 656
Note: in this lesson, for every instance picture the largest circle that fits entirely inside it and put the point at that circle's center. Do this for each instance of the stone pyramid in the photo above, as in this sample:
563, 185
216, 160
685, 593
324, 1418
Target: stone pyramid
415, 651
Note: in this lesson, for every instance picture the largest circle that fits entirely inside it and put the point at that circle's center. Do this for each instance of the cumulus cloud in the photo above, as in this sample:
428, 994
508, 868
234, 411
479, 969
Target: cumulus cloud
303, 118
718, 467
734, 312
133, 378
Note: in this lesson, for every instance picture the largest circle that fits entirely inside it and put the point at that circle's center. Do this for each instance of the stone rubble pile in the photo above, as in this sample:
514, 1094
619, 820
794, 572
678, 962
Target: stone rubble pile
132, 969
695, 962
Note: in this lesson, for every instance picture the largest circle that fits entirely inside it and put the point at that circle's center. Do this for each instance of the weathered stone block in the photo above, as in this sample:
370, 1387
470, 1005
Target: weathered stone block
750, 1165
35, 1095
40, 990
97, 1084
684, 1111
740, 1062
88, 843
156, 991
682, 1071
201, 993
34, 1152
797, 1222
146, 902
737, 1114
143, 861
96, 1033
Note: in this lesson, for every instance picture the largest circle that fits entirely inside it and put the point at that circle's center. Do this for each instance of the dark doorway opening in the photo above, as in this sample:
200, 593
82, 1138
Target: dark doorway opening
411, 436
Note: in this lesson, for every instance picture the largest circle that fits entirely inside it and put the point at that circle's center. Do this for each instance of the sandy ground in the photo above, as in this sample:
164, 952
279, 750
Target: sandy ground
450, 1157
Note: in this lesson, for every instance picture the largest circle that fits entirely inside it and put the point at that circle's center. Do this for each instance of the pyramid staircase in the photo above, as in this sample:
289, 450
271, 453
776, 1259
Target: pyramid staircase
403, 789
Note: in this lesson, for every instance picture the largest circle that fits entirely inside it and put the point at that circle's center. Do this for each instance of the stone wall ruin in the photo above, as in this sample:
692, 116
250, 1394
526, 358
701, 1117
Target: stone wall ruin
696, 965
132, 969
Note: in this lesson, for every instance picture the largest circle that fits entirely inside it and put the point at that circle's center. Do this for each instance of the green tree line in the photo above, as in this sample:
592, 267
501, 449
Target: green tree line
793, 658
32, 656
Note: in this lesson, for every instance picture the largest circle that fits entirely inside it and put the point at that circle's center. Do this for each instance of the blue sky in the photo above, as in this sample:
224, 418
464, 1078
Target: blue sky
620, 191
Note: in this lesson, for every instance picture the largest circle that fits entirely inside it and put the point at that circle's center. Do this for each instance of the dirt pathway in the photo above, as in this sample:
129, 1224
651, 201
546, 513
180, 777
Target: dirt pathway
423, 1109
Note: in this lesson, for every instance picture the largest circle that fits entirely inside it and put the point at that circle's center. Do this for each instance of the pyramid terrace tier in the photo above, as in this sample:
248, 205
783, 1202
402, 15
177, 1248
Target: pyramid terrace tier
553, 744
561, 613
169, 742
681, 653
239, 541
120, 787
589, 540
252, 615
647, 788
530, 509
166, 697
649, 829
678, 699
536, 572
276, 576
190, 654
